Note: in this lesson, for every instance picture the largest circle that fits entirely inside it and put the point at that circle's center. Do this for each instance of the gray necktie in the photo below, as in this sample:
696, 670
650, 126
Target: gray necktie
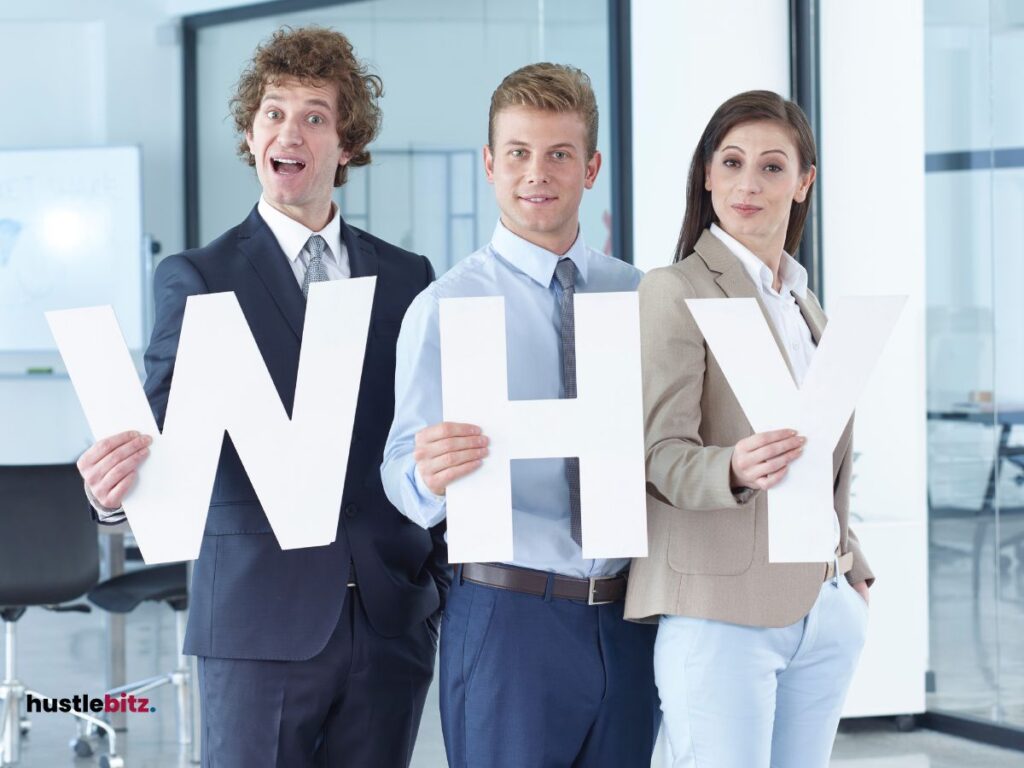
565, 273
315, 270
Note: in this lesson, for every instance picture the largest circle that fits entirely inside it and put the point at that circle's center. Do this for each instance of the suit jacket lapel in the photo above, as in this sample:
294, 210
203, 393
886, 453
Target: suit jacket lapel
260, 246
813, 316
362, 256
735, 281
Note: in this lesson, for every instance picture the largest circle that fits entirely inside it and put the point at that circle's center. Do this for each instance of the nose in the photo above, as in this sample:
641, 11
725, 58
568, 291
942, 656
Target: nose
537, 171
290, 133
750, 179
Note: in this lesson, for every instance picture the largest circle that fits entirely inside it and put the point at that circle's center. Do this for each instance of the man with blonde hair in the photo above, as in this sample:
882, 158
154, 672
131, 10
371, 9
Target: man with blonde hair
538, 667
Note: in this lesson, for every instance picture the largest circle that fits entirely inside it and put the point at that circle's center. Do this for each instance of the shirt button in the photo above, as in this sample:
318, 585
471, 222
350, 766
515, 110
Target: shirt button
350, 510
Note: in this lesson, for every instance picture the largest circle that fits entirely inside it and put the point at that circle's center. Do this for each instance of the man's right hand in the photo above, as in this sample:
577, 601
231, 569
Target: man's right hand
109, 466
447, 451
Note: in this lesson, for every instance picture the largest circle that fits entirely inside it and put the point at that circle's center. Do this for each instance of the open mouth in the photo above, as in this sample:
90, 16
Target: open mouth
286, 165
537, 199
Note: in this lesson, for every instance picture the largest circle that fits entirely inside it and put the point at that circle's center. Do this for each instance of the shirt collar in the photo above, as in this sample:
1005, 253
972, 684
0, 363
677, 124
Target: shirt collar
292, 236
792, 272
536, 262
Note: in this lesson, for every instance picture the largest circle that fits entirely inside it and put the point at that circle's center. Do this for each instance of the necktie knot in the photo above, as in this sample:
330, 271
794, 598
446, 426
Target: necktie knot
316, 245
565, 273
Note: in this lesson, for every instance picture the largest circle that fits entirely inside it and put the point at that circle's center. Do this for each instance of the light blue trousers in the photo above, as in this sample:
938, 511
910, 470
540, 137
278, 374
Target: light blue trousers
753, 697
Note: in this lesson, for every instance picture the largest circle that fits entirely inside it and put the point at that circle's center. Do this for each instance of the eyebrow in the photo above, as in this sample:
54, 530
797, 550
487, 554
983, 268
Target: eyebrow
521, 143
766, 152
274, 96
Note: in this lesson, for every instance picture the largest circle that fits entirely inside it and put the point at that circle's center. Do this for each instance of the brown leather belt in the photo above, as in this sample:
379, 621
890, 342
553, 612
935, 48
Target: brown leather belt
592, 591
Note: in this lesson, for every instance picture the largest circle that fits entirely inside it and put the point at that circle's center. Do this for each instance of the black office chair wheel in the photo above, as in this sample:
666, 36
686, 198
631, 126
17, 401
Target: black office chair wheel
111, 761
81, 747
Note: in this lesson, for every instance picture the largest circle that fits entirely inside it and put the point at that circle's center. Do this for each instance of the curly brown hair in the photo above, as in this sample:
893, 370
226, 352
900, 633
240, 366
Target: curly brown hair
313, 56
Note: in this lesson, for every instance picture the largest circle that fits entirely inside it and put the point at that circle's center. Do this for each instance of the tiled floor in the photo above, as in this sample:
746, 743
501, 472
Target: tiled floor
62, 654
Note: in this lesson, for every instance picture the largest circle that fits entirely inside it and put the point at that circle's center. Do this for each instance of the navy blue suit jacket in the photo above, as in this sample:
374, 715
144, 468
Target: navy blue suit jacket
250, 599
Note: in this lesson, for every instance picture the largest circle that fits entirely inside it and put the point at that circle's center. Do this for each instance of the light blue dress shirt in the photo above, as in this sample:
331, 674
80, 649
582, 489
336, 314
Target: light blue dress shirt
523, 273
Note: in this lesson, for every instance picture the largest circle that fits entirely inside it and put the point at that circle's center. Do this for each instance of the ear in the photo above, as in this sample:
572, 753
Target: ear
489, 164
805, 185
248, 140
593, 166
345, 157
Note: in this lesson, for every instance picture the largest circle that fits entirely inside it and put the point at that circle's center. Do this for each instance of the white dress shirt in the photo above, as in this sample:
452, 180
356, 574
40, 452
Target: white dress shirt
781, 305
293, 236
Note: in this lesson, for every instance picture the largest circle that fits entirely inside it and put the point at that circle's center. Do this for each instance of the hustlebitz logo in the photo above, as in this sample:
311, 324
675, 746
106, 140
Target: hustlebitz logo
84, 703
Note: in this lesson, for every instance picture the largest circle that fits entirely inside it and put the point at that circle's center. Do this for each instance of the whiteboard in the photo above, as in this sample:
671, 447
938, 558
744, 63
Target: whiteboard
70, 236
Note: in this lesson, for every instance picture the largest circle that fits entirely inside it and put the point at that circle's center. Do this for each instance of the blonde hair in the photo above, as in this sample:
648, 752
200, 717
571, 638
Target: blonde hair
549, 87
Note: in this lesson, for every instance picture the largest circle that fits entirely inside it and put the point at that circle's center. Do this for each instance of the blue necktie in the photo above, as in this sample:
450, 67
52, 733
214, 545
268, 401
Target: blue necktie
565, 273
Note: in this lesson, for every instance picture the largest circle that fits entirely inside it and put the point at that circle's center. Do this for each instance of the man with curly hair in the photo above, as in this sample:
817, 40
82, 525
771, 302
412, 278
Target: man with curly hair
317, 656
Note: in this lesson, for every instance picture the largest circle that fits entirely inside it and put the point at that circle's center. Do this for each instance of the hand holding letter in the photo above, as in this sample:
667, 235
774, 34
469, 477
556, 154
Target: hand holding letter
760, 461
109, 466
447, 451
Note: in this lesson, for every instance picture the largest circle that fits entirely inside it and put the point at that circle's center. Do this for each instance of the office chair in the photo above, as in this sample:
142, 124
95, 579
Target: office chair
48, 556
158, 583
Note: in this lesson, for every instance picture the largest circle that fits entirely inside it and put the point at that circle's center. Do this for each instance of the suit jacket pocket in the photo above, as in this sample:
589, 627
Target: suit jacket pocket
232, 518
719, 543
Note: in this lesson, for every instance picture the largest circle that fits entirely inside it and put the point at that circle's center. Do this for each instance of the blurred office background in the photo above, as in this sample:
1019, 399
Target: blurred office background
920, 123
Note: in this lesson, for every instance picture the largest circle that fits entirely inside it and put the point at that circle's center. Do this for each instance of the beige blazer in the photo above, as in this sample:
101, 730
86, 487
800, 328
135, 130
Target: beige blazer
708, 548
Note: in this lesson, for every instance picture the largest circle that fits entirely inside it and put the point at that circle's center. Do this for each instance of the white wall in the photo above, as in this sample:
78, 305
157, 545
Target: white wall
95, 72
872, 178
872, 187
689, 57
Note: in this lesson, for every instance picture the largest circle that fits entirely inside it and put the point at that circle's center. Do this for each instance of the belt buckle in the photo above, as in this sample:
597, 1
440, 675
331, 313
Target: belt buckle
593, 588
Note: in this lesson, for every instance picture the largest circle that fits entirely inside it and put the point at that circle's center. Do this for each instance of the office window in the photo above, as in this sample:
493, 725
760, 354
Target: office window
974, 54
440, 61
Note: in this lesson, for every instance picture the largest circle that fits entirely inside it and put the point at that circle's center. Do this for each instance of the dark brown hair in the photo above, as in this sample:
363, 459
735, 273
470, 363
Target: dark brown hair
747, 107
549, 87
320, 57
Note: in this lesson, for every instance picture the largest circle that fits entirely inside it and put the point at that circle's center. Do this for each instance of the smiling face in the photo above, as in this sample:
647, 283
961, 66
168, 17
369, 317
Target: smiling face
539, 168
754, 178
294, 139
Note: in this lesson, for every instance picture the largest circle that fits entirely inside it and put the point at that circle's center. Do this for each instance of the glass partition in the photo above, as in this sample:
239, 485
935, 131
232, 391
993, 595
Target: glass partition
974, 55
440, 62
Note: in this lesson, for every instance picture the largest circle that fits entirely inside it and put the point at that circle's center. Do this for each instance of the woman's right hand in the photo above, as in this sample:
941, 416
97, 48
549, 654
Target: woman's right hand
760, 461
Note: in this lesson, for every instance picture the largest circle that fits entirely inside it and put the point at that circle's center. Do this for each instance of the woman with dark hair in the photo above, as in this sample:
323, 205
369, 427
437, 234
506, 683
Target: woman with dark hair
752, 658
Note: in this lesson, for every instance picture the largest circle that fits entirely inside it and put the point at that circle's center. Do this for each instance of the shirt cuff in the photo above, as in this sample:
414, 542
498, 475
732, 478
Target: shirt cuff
419, 503
422, 489
104, 514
